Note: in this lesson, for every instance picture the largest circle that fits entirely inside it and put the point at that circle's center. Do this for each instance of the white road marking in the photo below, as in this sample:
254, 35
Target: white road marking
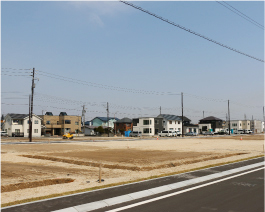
179, 192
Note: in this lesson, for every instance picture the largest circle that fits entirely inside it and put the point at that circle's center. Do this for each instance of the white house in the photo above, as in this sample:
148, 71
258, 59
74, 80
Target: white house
18, 125
171, 122
149, 126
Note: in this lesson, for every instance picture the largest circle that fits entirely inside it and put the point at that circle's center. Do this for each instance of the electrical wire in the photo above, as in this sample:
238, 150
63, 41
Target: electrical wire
190, 31
234, 10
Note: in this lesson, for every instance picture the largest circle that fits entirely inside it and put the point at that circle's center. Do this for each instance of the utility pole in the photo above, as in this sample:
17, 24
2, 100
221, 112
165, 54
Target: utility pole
203, 114
229, 119
31, 109
182, 114
160, 110
108, 117
29, 118
83, 117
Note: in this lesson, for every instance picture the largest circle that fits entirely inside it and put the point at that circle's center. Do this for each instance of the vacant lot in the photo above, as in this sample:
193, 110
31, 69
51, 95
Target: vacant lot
35, 170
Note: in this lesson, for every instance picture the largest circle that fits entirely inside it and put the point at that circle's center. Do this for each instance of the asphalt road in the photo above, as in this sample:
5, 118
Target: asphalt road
244, 193
240, 194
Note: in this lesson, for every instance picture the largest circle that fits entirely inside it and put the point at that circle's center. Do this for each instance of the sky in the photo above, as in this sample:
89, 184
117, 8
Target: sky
90, 53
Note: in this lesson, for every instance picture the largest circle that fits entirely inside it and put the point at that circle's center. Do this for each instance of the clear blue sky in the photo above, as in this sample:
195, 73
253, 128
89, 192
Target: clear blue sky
97, 52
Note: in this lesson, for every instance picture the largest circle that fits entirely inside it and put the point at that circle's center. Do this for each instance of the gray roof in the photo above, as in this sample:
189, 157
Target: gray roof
124, 120
169, 117
17, 116
20, 116
211, 118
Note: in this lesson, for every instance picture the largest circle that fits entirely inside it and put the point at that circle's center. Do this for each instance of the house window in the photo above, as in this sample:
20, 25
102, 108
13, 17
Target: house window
190, 129
57, 122
48, 122
35, 130
178, 122
175, 122
156, 121
194, 130
146, 130
146, 122
67, 121
170, 122
76, 123
36, 121
15, 121
17, 131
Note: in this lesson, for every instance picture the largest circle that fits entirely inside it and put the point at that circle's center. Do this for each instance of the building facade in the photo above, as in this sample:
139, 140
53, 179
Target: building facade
124, 124
149, 126
61, 124
171, 122
17, 125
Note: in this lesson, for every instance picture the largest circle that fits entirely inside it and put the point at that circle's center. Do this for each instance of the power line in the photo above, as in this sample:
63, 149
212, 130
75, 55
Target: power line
107, 87
234, 10
190, 31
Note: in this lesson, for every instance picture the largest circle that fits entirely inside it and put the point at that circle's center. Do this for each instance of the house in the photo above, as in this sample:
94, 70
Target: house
89, 130
104, 121
17, 125
124, 124
256, 126
60, 124
211, 123
190, 128
171, 122
149, 126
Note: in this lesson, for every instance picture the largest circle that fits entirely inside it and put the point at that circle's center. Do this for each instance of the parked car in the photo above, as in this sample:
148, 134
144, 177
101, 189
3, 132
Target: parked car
239, 132
166, 133
191, 134
4, 134
248, 131
135, 134
208, 133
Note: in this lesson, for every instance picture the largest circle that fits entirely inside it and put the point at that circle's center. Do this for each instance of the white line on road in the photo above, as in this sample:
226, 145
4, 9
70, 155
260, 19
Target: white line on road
179, 192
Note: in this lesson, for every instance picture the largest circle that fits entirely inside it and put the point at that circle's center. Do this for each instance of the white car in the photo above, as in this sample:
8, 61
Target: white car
4, 133
176, 133
166, 133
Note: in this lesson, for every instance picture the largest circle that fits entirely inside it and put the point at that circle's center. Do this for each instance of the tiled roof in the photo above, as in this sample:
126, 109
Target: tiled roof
17, 116
169, 117
124, 120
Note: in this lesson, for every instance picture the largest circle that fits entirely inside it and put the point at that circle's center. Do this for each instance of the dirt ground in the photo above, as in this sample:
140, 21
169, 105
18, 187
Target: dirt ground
35, 170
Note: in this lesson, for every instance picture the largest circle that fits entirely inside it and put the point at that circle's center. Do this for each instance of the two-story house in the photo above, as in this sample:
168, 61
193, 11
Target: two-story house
149, 126
171, 122
61, 124
210, 123
124, 124
17, 125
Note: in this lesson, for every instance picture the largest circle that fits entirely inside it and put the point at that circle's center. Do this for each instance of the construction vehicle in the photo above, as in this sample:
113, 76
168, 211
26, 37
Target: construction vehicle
68, 136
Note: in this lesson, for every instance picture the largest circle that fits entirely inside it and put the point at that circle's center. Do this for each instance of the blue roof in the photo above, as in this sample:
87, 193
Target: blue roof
105, 119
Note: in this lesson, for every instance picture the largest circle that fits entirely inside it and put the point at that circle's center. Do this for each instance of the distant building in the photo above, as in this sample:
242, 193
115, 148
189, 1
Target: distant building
124, 124
211, 123
104, 121
17, 125
149, 126
61, 124
171, 122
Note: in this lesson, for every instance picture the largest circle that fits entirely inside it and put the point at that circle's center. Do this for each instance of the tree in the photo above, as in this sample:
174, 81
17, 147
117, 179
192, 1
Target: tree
99, 129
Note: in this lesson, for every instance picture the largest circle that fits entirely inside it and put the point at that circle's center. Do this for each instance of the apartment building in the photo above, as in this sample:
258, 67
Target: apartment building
61, 124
